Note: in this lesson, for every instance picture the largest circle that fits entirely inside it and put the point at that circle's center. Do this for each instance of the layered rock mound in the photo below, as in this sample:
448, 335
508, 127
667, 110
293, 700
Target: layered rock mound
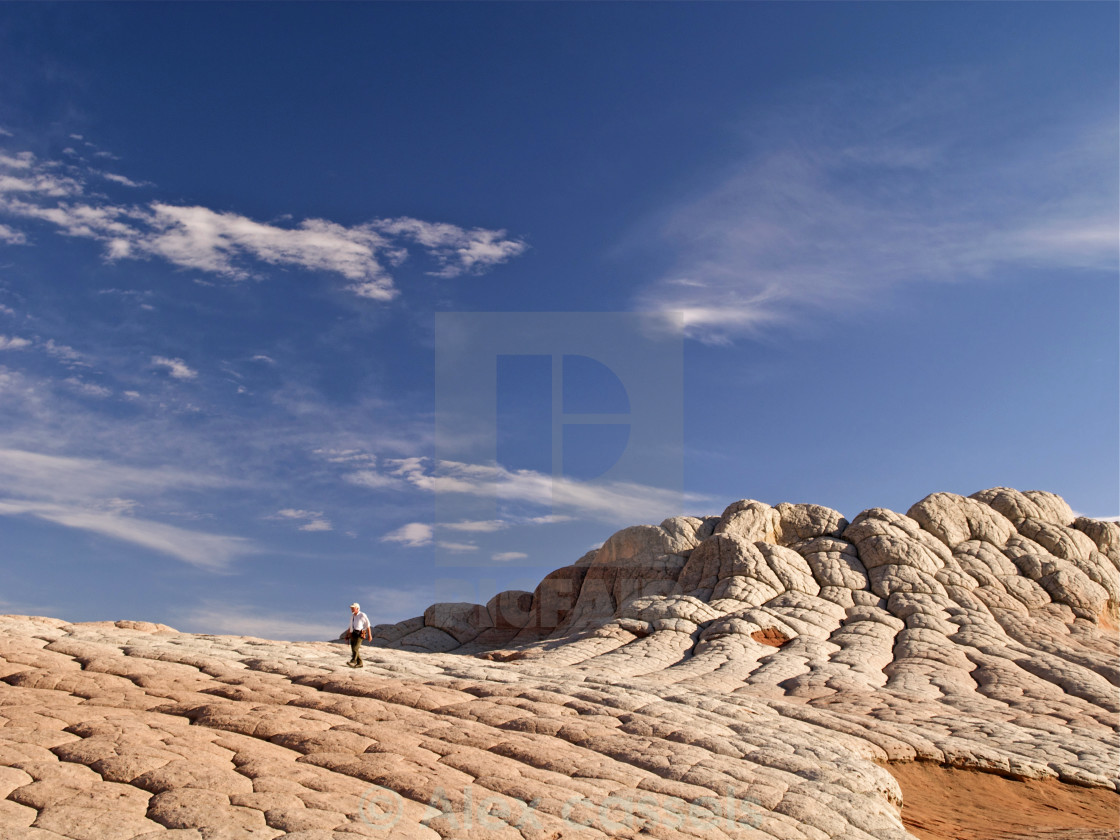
773, 672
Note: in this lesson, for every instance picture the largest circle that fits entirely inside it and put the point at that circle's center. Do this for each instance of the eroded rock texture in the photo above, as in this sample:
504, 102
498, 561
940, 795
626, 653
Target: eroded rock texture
727, 677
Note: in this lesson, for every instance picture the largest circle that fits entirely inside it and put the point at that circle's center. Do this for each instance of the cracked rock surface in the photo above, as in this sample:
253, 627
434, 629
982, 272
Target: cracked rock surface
748, 675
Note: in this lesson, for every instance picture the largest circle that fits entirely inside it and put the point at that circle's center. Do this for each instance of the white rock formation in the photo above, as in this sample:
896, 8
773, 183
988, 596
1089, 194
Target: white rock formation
735, 676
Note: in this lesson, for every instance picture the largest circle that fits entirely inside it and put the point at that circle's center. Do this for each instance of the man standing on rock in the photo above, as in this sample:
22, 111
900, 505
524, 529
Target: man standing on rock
359, 628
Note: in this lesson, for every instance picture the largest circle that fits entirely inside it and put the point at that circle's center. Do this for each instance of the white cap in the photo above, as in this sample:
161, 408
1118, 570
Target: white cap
355, 607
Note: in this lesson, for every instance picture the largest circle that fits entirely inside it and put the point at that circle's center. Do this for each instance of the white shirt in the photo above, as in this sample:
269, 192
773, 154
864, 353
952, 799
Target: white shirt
358, 621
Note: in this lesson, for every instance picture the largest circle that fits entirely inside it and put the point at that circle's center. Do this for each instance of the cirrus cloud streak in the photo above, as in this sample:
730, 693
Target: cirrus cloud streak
92, 495
851, 191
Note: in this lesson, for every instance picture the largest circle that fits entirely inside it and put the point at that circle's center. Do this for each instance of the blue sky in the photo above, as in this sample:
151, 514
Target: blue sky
875, 245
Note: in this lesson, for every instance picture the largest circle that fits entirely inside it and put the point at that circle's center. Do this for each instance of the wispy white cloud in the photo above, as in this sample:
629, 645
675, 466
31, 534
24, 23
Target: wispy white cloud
230, 244
89, 147
42, 424
451, 545
413, 535
347, 456
58, 477
849, 192
197, 237
483, 526
374, 480
609, 502
509, 556
88, 389
15, 387
81, 220
94, 495
10, 236
208, 551
64, 353
39, 477
313, 520
604, 501
176, 368
421, 534
13, 343
120, 179
24, 160
23, 176
456, 250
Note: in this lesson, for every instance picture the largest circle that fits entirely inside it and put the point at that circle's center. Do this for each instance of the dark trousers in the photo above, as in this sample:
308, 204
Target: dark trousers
356, 647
